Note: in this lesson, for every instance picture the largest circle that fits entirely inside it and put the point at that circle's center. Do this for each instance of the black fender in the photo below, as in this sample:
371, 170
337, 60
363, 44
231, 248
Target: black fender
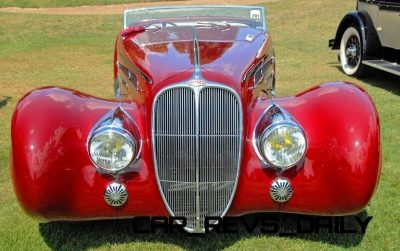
371, 47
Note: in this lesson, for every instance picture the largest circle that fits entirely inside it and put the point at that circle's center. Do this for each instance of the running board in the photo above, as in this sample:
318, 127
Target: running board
384, 66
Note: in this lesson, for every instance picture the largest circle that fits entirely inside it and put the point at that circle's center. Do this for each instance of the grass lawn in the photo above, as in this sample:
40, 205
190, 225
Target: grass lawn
63, 3
76, 51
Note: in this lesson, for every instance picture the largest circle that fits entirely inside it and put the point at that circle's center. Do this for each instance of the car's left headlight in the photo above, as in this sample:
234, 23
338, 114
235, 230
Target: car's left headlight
112, 149
283, 144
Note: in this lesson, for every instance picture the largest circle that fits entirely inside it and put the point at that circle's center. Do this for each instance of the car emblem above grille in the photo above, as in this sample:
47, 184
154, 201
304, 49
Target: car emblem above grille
196, 82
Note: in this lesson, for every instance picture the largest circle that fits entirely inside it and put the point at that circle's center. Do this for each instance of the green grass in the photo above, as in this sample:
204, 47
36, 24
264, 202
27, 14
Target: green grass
63, 3
77, 51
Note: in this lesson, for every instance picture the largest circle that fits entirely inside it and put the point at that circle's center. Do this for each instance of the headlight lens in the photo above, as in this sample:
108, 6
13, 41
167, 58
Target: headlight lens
283, 145
112, 149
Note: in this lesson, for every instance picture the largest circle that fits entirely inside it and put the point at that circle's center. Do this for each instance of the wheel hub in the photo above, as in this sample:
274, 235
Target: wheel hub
353, 51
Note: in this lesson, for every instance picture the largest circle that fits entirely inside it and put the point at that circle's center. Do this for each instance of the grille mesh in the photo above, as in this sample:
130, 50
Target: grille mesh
206, 124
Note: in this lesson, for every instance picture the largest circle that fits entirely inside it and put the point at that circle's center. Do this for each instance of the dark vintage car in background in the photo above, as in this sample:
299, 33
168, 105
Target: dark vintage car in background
195, 130
369, 36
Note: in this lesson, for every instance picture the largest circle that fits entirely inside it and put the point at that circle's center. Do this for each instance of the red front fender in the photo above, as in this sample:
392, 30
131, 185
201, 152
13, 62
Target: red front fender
53, 176
343, 159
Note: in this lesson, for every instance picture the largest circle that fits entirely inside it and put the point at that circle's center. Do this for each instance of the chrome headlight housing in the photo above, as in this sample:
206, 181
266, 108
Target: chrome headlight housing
283, 144
112, 148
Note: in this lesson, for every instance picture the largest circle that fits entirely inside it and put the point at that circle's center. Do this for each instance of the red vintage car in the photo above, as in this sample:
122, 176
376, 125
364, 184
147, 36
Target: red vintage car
195, 130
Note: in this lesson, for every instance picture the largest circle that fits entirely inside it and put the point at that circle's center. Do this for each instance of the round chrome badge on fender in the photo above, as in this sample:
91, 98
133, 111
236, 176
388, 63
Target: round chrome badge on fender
115, 194
281, 190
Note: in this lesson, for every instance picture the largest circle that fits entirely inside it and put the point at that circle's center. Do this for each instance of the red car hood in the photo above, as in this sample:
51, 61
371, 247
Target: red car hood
166, 52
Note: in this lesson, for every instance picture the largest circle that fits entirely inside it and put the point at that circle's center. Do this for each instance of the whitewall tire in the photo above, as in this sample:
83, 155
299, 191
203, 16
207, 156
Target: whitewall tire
350, 54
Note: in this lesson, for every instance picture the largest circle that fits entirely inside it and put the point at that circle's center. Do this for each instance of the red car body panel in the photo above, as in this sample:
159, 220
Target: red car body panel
54, 178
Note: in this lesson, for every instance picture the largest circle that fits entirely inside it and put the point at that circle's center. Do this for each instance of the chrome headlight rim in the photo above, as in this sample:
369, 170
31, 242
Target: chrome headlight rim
268, 130
122, 132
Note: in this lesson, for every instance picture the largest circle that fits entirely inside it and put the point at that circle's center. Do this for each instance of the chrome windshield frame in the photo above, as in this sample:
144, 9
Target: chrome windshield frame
177, 7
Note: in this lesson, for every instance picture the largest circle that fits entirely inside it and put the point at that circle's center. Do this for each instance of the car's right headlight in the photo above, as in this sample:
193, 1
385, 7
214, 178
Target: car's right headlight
283, 144
112, 148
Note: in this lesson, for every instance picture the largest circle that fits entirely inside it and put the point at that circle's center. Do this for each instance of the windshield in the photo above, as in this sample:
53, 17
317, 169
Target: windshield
251, 16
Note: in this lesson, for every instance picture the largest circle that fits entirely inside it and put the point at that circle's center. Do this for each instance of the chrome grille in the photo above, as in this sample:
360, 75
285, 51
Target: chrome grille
197, 146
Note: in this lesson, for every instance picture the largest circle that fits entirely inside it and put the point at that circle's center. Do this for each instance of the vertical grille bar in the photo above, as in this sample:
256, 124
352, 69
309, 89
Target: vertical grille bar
197, 135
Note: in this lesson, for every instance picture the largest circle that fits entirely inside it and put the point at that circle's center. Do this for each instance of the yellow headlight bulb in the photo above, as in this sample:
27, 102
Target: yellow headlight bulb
287, 139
